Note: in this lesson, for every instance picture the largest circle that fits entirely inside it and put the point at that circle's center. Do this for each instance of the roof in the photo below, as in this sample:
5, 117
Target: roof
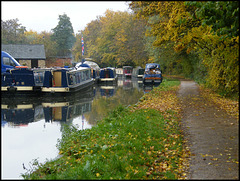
90, 63
21, 52
152, 65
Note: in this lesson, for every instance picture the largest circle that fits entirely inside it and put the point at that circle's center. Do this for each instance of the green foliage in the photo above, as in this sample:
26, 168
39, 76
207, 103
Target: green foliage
12, 32
63, 35
196, 39
223, 16
115, 39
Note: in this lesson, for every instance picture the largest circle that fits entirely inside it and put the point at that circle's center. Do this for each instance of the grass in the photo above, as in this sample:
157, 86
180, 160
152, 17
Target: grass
133, 142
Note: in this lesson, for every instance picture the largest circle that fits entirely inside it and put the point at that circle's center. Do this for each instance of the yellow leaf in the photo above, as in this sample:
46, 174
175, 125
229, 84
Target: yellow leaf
97, 174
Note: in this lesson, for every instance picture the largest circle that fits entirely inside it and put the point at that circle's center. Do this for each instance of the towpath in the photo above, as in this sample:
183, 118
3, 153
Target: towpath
212, 136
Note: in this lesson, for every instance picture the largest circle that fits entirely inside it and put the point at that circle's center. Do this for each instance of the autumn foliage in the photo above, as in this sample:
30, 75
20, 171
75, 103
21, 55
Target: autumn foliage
207, 31
115, 39
196, 39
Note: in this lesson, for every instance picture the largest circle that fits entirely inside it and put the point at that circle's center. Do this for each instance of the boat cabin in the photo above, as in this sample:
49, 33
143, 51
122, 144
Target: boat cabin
127, 71
152, 74
108, 75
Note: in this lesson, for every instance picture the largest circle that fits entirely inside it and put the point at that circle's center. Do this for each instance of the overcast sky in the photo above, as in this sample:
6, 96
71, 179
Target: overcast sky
43, 15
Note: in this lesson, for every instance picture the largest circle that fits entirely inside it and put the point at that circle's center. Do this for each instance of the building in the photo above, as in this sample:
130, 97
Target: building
59, 61
28, 55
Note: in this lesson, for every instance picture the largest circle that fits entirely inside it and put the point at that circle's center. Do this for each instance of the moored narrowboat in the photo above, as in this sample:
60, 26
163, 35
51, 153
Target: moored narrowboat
65, 80
138, 72
127, 71
95, 69
108, 75
20, 80
152, 74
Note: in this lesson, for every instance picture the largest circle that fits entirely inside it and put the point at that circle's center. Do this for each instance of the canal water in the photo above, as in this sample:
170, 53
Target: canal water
31, 126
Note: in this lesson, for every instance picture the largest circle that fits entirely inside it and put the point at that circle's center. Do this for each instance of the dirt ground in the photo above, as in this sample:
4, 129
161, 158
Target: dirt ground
212, 136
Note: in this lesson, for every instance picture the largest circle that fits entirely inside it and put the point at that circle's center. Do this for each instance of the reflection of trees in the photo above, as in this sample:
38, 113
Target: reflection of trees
103, 105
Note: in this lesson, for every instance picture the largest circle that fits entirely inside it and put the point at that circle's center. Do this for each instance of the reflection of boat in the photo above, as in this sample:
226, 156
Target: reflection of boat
19, 115
147, 88
127, 84
19, 111
108, 75
138, 72
63, 111
127, 71
152, 74
107, 90
137, 84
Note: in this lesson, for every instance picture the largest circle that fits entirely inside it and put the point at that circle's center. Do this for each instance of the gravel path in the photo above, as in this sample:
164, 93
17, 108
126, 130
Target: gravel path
212, 136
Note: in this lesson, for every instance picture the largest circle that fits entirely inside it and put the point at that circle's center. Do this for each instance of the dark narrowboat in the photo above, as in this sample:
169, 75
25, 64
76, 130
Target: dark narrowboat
108, 75
16, 78
21, 80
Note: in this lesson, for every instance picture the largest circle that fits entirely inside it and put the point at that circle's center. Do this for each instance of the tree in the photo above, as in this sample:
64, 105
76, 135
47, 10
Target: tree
64, 36
204, 36
12, 32
115, 39
223, 16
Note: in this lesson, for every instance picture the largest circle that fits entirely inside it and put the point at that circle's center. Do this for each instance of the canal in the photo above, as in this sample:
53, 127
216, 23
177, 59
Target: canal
31, 127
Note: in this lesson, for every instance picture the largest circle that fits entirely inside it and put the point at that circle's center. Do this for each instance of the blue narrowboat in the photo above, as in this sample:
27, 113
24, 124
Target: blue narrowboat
19, 79
108, 75
65, 80
95, 69
152, 74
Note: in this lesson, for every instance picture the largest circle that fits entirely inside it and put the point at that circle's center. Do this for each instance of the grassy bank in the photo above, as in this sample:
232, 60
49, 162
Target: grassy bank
143, 141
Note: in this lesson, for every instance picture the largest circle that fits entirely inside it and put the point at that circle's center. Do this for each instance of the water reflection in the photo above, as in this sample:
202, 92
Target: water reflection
107, 90
21, 112
32, 126
149, 87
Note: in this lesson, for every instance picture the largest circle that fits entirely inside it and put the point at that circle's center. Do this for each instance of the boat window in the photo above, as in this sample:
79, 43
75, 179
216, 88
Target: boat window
141, 71
70, 79
82, 77
38, 77
87, 74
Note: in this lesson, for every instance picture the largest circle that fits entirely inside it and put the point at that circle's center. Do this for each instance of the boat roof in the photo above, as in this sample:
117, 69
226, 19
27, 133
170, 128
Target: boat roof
90, 63
152, 65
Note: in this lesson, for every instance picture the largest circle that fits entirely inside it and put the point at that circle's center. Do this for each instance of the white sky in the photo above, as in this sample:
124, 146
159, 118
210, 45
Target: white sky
43, 15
